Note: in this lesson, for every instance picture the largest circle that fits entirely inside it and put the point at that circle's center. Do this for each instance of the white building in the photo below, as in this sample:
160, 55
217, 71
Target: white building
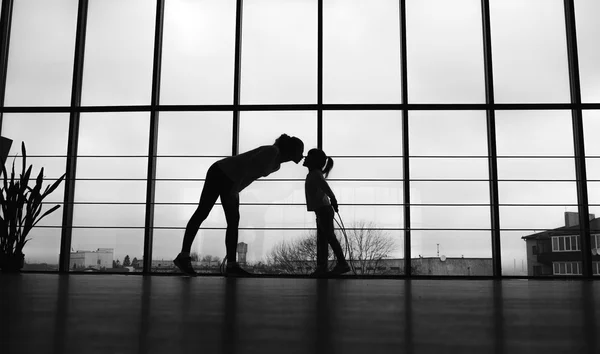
99, 259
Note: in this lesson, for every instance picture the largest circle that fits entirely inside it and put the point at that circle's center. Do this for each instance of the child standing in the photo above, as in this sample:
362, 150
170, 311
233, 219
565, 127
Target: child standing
321, 200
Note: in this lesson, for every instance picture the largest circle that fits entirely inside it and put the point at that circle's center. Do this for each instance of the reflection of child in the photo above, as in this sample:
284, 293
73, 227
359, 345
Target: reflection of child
321, 200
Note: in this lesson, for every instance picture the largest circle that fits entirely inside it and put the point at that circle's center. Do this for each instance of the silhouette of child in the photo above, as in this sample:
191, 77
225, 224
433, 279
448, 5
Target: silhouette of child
321, 200
226, 178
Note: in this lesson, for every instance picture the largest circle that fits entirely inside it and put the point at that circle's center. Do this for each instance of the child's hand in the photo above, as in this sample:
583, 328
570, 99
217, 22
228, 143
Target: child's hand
334, 204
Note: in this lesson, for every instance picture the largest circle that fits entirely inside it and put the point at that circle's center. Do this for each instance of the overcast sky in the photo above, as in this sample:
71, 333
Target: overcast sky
279, 65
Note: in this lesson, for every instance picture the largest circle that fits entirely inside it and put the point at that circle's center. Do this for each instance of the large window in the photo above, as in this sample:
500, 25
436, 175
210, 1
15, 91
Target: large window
567, 268
110, 190
188, 143
449, 189
565, 243
47, 151
439, 23
279, 52
451, 124
118, 52
586, 12
361, 51
529, 51
536, 177
198, 52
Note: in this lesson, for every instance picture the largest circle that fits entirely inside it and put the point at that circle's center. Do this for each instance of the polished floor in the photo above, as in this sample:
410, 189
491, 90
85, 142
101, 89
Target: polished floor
50, 313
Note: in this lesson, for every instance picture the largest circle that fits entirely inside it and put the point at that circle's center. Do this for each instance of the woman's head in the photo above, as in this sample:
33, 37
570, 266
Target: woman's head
291, 148
316, 158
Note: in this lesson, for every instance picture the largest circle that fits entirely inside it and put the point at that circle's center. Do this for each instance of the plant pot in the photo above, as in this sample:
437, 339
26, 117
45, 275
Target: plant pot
12, 263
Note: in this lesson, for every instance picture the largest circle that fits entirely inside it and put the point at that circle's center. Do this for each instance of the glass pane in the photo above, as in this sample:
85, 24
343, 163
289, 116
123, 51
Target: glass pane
362, 133
106, 250
447, 133
110, 191
109, 215
586, 20
189, 169
534, 133
45, 138
43, 250
534, 193
529, 51
112, 167
453, 217
445, 70
114, 134
119, 52
535, 218
279, 61
468, 168
368, 192
198, 52
449, 192
195, 133
361, 51
454, 253
40, 62
563, 268
533, 169
349, 168
263, 128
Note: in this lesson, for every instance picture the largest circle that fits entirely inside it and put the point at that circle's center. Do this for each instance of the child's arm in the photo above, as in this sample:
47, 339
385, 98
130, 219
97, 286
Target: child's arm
325, 187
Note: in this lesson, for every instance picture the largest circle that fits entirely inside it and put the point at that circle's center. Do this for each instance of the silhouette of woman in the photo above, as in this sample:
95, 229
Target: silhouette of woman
226, 178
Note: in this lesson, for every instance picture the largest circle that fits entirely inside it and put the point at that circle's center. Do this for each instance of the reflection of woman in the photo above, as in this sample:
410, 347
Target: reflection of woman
226, 178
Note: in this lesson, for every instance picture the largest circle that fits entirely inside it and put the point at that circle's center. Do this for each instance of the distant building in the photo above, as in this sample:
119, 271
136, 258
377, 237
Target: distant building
558, 251
242, 250
99, 259
453, 266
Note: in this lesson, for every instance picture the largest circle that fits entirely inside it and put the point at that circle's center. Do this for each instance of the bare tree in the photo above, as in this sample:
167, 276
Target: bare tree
211, 259
298, 256
368, 246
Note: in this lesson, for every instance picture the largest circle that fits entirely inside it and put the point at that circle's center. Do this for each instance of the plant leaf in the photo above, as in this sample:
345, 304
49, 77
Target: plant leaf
24, 153
54, 186
46, 213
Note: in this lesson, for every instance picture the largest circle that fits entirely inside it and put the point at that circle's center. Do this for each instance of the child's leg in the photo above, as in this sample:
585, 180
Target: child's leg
322, 249
331, 239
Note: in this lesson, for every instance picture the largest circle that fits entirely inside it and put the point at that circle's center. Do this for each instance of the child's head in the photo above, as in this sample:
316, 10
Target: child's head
316, 159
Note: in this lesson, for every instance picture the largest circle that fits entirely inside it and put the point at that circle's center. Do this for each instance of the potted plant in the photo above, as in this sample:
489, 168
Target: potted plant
21, 206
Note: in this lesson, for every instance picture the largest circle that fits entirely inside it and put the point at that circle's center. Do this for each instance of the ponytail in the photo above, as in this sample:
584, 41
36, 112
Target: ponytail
328, 166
